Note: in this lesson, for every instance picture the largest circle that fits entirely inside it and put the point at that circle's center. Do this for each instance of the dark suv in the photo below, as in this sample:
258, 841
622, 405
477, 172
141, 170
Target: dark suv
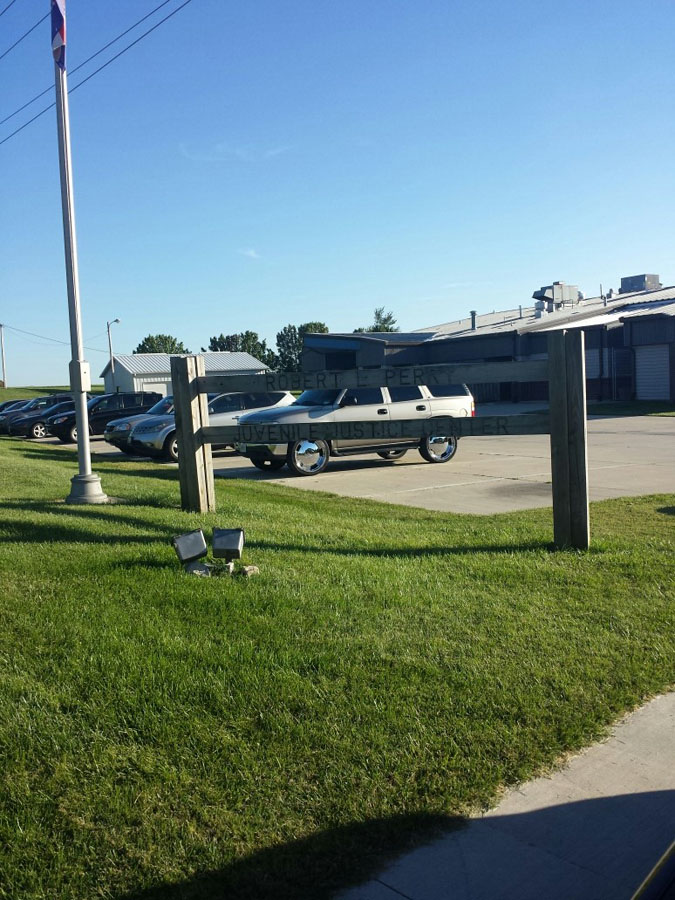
37, 404
102, 410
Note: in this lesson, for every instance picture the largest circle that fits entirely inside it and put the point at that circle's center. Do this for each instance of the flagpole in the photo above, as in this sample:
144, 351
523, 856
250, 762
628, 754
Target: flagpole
86, 486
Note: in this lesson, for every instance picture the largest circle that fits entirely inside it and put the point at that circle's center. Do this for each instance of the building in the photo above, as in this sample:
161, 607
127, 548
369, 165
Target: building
152, 371
630, 344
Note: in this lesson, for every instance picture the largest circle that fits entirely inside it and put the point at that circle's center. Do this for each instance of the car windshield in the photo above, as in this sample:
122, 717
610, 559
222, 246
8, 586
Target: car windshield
317, 398
164, 406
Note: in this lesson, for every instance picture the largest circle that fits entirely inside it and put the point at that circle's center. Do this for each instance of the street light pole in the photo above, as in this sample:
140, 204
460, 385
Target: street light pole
2, 351
86, 487
112, 358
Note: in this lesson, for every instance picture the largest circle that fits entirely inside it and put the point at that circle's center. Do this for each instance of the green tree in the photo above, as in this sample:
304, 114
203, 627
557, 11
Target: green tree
383, 321
160, 343
245, 342
289, 343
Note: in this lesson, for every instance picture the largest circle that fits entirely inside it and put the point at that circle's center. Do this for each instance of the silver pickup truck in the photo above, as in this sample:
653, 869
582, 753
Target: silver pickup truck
309, 457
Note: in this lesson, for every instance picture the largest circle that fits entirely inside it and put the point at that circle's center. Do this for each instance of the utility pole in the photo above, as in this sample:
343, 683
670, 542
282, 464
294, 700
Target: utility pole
2, 351
86, 487
112, 358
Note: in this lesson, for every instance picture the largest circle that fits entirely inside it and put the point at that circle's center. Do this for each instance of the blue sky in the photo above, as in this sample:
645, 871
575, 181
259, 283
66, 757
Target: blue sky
250, 165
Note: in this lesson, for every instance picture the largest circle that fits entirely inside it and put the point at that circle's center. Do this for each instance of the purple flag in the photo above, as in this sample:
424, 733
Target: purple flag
59, 32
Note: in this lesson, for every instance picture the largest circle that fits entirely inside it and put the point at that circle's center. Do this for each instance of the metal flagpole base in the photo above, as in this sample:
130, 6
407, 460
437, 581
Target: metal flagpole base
86, 489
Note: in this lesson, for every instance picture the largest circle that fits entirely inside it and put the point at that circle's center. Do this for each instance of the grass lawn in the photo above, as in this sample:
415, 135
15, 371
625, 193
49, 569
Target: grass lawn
631, 408
27, 393
164, 736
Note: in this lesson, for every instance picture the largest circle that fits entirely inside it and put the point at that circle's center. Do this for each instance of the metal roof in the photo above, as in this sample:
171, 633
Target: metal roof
220, 363
591, 311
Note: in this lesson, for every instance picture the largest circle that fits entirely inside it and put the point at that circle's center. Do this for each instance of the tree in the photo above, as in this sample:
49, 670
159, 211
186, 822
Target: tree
245, 342
384, 321
289, 343
160, 343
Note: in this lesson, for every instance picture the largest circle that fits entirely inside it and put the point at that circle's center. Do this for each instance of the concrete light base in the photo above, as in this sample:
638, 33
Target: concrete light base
86, 489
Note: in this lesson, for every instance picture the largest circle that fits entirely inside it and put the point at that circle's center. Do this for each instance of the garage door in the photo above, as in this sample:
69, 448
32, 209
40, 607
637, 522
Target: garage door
652, 372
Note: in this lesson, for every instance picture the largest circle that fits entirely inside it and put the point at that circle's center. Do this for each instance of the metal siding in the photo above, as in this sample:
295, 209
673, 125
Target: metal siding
652, 372
592, 364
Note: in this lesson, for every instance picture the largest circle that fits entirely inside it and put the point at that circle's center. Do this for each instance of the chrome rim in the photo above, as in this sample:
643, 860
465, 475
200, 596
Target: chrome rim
441, 448
39, 431
174, 448
309, 456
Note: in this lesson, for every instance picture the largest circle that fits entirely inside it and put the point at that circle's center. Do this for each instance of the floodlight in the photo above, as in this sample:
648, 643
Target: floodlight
190, 546
228, 543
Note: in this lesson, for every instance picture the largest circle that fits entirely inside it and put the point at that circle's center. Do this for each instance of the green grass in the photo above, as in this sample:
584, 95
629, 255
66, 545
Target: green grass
389, 669
27, 393
631, 408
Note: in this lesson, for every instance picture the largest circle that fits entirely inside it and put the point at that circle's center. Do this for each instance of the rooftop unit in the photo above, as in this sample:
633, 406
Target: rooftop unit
555, 296
633, 283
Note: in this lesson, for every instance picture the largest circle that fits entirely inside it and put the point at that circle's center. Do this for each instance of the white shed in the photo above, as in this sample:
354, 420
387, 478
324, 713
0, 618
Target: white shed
152, 371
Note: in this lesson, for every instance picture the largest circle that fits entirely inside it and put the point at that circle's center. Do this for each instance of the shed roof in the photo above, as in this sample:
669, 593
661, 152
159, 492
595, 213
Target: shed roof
221, 362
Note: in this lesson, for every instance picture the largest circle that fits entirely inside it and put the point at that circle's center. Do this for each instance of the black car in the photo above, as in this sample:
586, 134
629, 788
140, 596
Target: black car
11, 404
37, 404
102, 410
34, 424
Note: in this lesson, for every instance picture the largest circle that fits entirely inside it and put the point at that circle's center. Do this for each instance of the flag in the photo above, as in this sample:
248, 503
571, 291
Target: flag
59, 32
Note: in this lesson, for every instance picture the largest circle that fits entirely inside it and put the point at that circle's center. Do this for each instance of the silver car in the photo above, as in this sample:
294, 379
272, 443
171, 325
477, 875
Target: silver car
157, 436
118, 432
360, 405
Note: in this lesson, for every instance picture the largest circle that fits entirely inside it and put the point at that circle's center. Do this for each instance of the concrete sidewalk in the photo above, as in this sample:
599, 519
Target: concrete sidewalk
591, 831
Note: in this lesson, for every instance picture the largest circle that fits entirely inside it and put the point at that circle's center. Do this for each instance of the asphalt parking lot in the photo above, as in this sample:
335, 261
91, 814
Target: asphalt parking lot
628, 456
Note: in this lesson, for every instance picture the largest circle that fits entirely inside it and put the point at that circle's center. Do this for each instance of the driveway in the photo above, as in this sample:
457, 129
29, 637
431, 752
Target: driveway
627, 457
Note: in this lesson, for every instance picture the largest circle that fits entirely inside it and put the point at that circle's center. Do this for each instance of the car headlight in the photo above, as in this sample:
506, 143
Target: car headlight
60, 419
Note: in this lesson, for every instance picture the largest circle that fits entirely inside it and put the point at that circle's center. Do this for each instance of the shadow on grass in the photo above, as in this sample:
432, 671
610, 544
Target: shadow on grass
412, 552
72, 521
667, 510
594, 847
312, 868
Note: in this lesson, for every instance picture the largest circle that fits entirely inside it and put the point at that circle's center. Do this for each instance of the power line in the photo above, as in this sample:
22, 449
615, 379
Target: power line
129, 46
88, 60
16, 43
45, 338
100, 68
11, 3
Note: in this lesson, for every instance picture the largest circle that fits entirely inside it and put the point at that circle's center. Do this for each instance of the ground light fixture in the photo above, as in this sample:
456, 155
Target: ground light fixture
228, 544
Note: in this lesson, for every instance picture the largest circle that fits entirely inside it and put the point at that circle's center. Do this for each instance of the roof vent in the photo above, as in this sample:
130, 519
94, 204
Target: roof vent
473, 319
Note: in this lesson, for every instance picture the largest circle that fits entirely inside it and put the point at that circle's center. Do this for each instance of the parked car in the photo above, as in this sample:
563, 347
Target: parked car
11, 404
37, 404
34, 424
309, 457
101, 410
118, 431
158, 437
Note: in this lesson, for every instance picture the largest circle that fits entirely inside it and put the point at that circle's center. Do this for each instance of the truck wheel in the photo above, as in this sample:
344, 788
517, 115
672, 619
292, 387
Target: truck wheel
391, 454
437, 449
307, 457
269, 465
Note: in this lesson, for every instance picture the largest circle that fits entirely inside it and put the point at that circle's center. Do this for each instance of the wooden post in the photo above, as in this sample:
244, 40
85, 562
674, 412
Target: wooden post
560, 469
195, 467
577, 439
569, 453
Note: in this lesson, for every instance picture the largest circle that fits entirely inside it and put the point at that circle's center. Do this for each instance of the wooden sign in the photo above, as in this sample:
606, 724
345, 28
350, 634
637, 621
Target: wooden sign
388, 376
447, 426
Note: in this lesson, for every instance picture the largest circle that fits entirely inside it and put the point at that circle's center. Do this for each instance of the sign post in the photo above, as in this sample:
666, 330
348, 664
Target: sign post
86, 487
